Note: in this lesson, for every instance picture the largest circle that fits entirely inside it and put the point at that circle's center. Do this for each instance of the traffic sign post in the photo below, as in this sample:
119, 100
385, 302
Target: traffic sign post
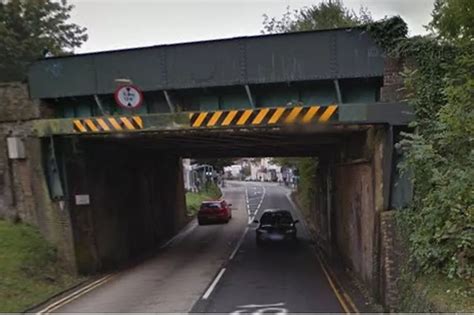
128, 96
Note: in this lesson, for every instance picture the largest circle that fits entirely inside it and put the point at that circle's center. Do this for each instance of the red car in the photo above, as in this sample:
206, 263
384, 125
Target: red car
214, 211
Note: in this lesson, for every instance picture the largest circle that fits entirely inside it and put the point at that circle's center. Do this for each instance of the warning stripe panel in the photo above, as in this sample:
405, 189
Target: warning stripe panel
107, 124
221, 118
264, 116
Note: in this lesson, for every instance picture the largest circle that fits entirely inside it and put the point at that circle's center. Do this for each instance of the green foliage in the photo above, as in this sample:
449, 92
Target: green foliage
306, 188
28, 27
441, 159
453, 19
439, 156
193, 200
285, 161
307, 167
389, 32
212, 190
29, 269
324, 15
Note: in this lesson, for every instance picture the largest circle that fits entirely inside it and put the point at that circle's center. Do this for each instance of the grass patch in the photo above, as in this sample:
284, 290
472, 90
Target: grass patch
193, 200
29, 268
448, 295
436, 293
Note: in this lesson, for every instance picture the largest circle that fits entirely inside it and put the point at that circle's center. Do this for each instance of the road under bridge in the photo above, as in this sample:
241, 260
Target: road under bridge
108, 183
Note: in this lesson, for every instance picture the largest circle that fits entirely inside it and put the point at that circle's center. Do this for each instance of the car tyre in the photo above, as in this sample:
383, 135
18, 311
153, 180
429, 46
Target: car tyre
201, 222
258, 241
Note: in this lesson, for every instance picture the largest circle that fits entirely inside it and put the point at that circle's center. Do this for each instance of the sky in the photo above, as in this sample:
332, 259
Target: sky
117, 24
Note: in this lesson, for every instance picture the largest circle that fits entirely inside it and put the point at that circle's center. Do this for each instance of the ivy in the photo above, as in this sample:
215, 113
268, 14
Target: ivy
439, 154
388, 33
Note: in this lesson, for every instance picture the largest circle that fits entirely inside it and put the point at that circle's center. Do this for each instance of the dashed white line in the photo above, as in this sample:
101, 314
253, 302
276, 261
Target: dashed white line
213, 284
252, 217
239, 243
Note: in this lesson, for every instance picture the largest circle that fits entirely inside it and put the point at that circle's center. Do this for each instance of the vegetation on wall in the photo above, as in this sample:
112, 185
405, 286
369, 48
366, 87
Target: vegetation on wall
439, 155
439, 84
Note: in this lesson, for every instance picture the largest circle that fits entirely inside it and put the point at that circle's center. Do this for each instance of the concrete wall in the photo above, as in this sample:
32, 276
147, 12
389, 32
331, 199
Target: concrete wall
136, 201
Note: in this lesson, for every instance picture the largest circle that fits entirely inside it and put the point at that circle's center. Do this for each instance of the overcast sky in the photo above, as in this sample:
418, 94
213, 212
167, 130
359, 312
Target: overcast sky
115, 24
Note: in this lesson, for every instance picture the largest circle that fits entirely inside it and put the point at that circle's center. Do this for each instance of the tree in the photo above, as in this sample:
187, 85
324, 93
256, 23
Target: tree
218, 164
324, 15
29, 29
453, 19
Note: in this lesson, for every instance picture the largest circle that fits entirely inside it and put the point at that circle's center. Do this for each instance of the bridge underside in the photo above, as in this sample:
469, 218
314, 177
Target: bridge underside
242, 142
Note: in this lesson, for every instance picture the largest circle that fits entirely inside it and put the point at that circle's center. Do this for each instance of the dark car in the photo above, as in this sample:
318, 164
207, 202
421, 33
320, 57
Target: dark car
214, 211
276, 225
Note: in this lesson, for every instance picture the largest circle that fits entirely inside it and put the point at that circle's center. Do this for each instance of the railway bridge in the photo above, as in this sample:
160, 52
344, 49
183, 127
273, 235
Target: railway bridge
105, 182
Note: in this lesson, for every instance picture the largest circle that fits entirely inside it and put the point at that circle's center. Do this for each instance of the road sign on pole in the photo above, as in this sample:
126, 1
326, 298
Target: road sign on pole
128, 96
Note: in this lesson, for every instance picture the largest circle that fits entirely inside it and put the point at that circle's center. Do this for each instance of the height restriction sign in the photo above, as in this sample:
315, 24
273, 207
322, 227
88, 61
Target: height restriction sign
128, 96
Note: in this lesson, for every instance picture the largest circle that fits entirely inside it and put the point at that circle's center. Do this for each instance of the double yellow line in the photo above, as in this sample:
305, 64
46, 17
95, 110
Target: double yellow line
344, 299
75, 295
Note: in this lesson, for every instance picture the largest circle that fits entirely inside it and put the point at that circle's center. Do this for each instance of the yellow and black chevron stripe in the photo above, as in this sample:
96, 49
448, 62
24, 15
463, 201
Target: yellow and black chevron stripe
107, 124
264, 116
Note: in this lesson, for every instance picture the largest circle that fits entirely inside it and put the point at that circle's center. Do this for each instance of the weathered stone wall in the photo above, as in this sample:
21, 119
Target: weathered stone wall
391, 258
350, 198
24, 193
15, 103
392, 90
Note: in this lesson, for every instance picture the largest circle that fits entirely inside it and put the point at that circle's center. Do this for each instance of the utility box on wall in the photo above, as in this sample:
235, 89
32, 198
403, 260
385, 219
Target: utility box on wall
16, 148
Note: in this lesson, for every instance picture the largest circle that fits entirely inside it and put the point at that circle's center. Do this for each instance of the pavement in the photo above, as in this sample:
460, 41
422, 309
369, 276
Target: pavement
218, 268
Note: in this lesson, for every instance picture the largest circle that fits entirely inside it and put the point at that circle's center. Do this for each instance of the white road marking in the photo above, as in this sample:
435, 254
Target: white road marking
260, 305
257, 309
271, 310
239, 243
213, 285
259, 205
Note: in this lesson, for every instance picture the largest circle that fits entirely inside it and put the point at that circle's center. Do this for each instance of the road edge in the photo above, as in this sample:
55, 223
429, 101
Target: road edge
95, 282
343, 297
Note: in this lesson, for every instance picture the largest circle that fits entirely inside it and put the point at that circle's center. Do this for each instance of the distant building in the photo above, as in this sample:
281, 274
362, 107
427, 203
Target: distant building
233, 171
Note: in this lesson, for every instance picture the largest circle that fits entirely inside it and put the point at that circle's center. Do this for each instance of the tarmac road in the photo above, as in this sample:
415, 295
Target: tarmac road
218, 268
277, 278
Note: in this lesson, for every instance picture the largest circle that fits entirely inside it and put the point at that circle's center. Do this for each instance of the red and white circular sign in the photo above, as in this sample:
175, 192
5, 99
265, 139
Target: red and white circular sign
128, 96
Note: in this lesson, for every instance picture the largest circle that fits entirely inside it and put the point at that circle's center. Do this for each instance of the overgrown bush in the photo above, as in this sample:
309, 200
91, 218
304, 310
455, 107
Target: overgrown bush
439, 152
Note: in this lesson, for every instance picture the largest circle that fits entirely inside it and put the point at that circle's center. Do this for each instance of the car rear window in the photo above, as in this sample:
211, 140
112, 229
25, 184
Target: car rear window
210, 205
276, 218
